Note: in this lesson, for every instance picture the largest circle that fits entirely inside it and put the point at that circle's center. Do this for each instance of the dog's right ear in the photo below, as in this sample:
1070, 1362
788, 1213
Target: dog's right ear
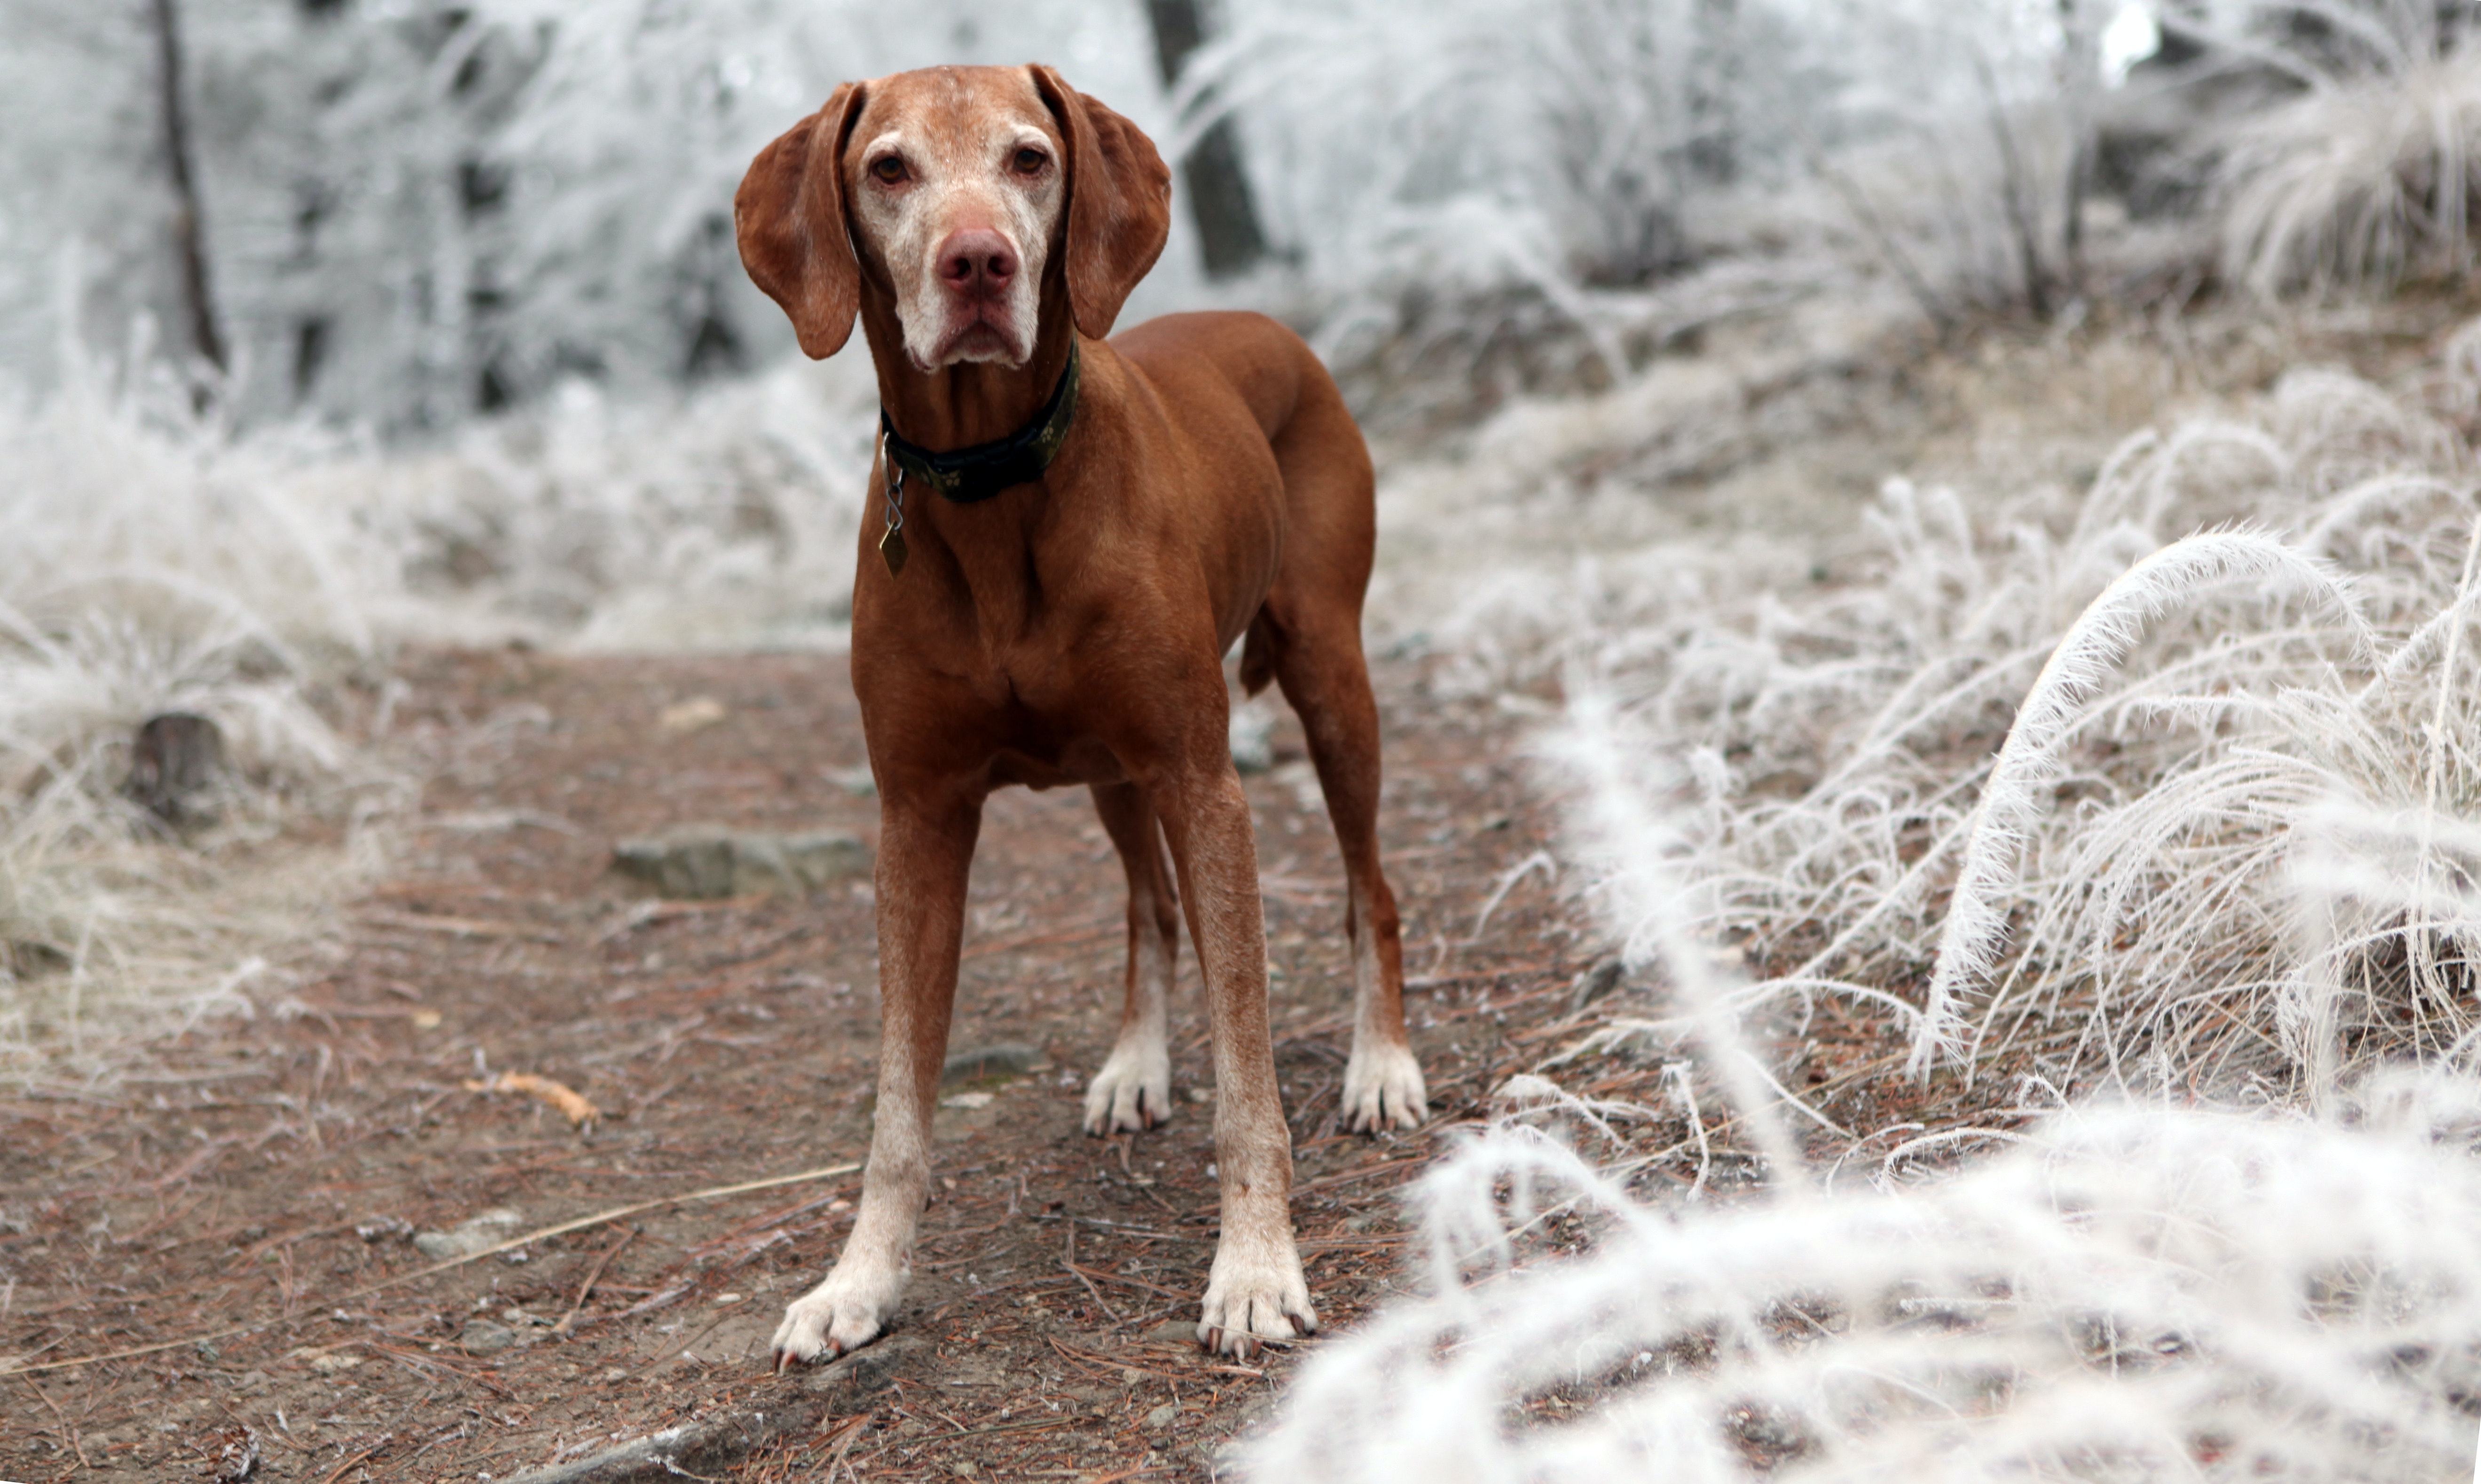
789, 216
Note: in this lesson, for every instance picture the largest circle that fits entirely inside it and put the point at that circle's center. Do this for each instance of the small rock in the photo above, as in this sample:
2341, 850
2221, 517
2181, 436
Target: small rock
859, 782
1002, 1058
481, 1336
487, 1230
968, 1100
1173, 1332
707, 863
1163, 1416
1253, 739
694, 715
329, 1365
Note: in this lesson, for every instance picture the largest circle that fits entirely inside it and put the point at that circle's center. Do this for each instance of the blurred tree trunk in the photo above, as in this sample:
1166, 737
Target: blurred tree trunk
189, 228
1218, 189
2079, 90
1713, 94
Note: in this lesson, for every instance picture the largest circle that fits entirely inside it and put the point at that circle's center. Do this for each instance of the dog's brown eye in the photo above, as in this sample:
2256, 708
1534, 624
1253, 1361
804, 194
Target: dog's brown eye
889, 168
1031, 161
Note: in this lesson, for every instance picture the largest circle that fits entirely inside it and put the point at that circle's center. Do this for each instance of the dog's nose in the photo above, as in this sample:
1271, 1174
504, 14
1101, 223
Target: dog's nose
977, 262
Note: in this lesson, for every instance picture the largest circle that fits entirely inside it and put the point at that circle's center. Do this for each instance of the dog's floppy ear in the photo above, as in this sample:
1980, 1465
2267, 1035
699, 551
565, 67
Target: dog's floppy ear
1119, 203
789, 215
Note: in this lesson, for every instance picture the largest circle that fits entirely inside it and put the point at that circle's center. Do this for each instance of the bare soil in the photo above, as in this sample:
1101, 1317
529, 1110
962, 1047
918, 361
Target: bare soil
244, 1201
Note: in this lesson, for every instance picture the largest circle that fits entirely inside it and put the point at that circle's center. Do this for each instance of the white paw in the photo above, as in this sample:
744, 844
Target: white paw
1250, 1299
1133, 1092
1383, 1088
841, 1314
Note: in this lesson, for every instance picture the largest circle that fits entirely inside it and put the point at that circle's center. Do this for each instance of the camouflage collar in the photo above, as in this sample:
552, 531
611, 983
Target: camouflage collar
967, 475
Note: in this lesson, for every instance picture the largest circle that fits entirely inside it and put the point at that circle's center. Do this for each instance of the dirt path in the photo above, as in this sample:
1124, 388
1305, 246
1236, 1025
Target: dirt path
275, 1170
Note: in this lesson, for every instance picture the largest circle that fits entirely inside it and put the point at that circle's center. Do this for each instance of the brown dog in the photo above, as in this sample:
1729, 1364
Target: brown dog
1081, 531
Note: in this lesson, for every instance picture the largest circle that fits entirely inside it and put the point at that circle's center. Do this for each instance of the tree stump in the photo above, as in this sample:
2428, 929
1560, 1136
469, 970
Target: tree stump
177, 757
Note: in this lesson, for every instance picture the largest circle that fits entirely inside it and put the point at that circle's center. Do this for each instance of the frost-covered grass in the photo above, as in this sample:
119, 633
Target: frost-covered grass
2361, 179
2236, 658
157, 565
2128, 1293
2149, 804
160, 561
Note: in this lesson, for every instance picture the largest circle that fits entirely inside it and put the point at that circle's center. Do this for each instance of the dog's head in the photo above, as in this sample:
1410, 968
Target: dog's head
953, 191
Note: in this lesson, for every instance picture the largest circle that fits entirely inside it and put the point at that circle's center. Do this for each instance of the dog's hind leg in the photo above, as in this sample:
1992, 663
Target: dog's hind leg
1309, 636
1327, 682
1133, 1092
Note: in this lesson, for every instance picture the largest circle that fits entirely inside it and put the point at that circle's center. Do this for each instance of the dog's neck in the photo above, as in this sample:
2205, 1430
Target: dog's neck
972, 402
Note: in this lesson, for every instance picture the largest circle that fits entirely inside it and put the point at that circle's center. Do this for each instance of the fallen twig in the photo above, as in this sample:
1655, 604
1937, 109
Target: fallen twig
582, 1223
588, 1287
68, 1428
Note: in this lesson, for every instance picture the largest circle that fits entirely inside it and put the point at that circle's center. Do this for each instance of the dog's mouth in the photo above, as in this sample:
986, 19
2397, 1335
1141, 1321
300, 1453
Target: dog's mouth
977, 332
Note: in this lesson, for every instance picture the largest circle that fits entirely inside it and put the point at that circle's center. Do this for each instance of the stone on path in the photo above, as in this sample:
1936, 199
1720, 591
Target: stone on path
1004, 1059
474, 1235
707, 863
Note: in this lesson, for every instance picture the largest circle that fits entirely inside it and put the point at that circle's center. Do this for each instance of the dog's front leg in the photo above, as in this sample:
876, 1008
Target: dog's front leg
925, 851
1256, 1289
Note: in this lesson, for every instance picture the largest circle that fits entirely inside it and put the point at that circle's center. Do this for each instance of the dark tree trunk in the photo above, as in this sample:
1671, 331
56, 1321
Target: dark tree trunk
2080, 63
189, 228
1218, 189
1715, 93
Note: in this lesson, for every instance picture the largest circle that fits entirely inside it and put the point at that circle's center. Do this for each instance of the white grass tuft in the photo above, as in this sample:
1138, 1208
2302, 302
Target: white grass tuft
2358, 181
2032, 783
2093, 645
2127, 1294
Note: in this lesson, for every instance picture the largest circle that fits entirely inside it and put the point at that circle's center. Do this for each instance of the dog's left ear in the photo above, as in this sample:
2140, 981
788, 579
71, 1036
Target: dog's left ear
1119, 203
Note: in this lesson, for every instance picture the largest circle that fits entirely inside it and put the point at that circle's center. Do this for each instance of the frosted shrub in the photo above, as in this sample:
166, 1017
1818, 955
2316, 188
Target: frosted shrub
726, 518
2369, 173
2126, 1294
2052, 774
161, 562
2092, 801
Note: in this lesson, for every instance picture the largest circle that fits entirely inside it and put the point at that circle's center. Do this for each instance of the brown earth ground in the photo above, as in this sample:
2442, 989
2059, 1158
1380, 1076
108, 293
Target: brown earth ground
233, 1203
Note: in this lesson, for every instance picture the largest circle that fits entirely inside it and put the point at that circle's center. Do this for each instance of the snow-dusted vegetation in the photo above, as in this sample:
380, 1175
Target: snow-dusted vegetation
2131, 789
2147, 803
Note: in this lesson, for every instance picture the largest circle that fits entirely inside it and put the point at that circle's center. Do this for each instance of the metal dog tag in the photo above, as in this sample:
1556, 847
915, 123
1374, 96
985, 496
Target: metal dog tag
892, 547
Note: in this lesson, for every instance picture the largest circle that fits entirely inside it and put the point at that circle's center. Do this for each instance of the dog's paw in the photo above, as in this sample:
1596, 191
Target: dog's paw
838, 1316
1249, 1301
1383, 1089
1131, 1093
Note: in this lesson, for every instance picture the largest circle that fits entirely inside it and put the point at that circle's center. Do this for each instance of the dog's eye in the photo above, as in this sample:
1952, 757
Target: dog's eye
889, 168
1030, 161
